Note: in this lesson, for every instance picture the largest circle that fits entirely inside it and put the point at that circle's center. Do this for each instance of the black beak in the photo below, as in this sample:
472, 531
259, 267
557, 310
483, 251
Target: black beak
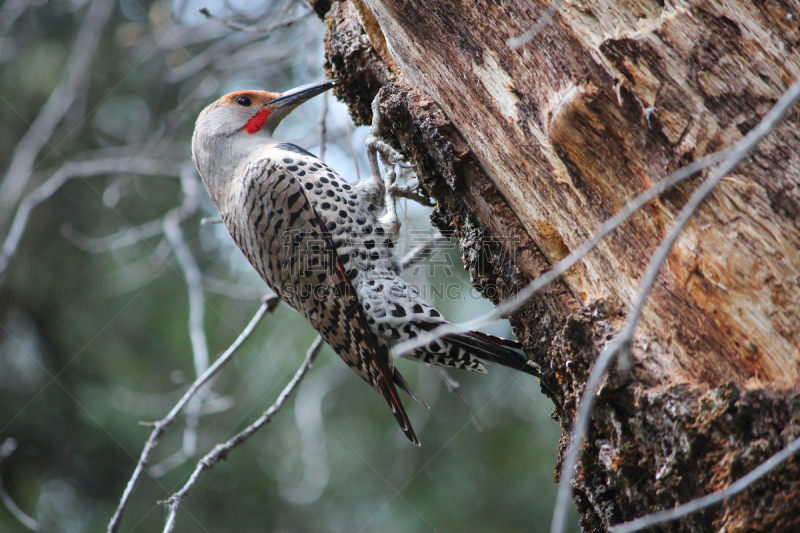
301, 94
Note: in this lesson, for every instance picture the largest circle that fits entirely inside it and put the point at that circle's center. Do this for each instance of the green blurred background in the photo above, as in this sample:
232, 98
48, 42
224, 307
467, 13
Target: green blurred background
94, 315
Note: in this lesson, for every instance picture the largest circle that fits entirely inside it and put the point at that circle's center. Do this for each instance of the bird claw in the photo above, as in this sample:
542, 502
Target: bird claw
410, 192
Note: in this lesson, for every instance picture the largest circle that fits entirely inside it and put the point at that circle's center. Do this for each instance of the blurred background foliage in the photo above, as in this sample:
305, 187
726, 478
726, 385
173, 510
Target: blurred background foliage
94, 304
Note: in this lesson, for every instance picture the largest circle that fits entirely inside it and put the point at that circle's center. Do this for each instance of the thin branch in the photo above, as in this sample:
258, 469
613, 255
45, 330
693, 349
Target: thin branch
57, 105
82, 169
194, 282
7, 448
622, 341
221, 451
710, 499
270, 302
323, 130
279, 22
533, 31
121, 239
454, 387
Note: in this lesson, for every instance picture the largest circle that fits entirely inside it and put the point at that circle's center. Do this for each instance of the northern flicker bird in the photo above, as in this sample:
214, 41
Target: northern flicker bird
324, 245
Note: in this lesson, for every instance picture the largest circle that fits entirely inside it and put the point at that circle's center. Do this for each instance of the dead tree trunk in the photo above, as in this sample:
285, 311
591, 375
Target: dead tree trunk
534, 148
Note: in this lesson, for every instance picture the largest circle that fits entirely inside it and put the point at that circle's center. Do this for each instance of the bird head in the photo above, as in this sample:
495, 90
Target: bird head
233, 127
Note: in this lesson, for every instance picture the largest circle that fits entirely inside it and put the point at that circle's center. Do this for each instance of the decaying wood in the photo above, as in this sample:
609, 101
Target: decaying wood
534, 148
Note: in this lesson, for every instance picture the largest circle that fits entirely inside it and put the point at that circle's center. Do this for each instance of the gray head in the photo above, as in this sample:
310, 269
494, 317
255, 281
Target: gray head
230, 130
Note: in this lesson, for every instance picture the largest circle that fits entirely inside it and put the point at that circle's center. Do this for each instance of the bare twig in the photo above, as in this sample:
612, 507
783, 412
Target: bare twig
533, 31
323, 129
120, 239
622, 341
221, 451
279, 21
6, 449
83, 169
454, 387
710, 499
197, 336
270, 302
57, 105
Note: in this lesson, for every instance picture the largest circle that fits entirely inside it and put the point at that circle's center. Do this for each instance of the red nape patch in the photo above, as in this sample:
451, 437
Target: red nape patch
257, 122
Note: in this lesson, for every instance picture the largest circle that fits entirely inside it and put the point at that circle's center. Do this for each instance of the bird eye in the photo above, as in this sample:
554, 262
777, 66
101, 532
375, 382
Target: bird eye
244, 101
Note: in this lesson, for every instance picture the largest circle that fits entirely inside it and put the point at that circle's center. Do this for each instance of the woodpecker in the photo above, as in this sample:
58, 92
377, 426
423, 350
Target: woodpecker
324, 245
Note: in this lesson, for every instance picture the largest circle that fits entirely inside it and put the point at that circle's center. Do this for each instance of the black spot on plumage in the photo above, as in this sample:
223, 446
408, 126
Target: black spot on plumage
435, 314
369, 245
325, 205
361, 221
399, 311
278, 225
374, 255
366, 230
379, 230
354, 197
318, 191
434, 346
330, 225
343, 214
323, 180
329, 193
292, 168
301, 163
346, 187
308, 186
334, 182
301, 172
288, 160
293, 217
293, 198
417, 309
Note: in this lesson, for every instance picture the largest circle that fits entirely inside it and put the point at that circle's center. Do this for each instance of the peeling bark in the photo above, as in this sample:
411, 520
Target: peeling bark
531, 150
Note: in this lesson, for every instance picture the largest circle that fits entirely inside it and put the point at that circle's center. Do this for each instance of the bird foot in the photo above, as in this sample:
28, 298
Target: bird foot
391, 157
411, 192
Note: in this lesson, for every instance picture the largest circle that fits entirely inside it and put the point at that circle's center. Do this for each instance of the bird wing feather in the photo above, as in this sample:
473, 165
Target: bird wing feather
331, 304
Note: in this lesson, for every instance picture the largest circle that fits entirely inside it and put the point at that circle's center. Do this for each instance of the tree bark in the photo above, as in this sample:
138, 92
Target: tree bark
528, 151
